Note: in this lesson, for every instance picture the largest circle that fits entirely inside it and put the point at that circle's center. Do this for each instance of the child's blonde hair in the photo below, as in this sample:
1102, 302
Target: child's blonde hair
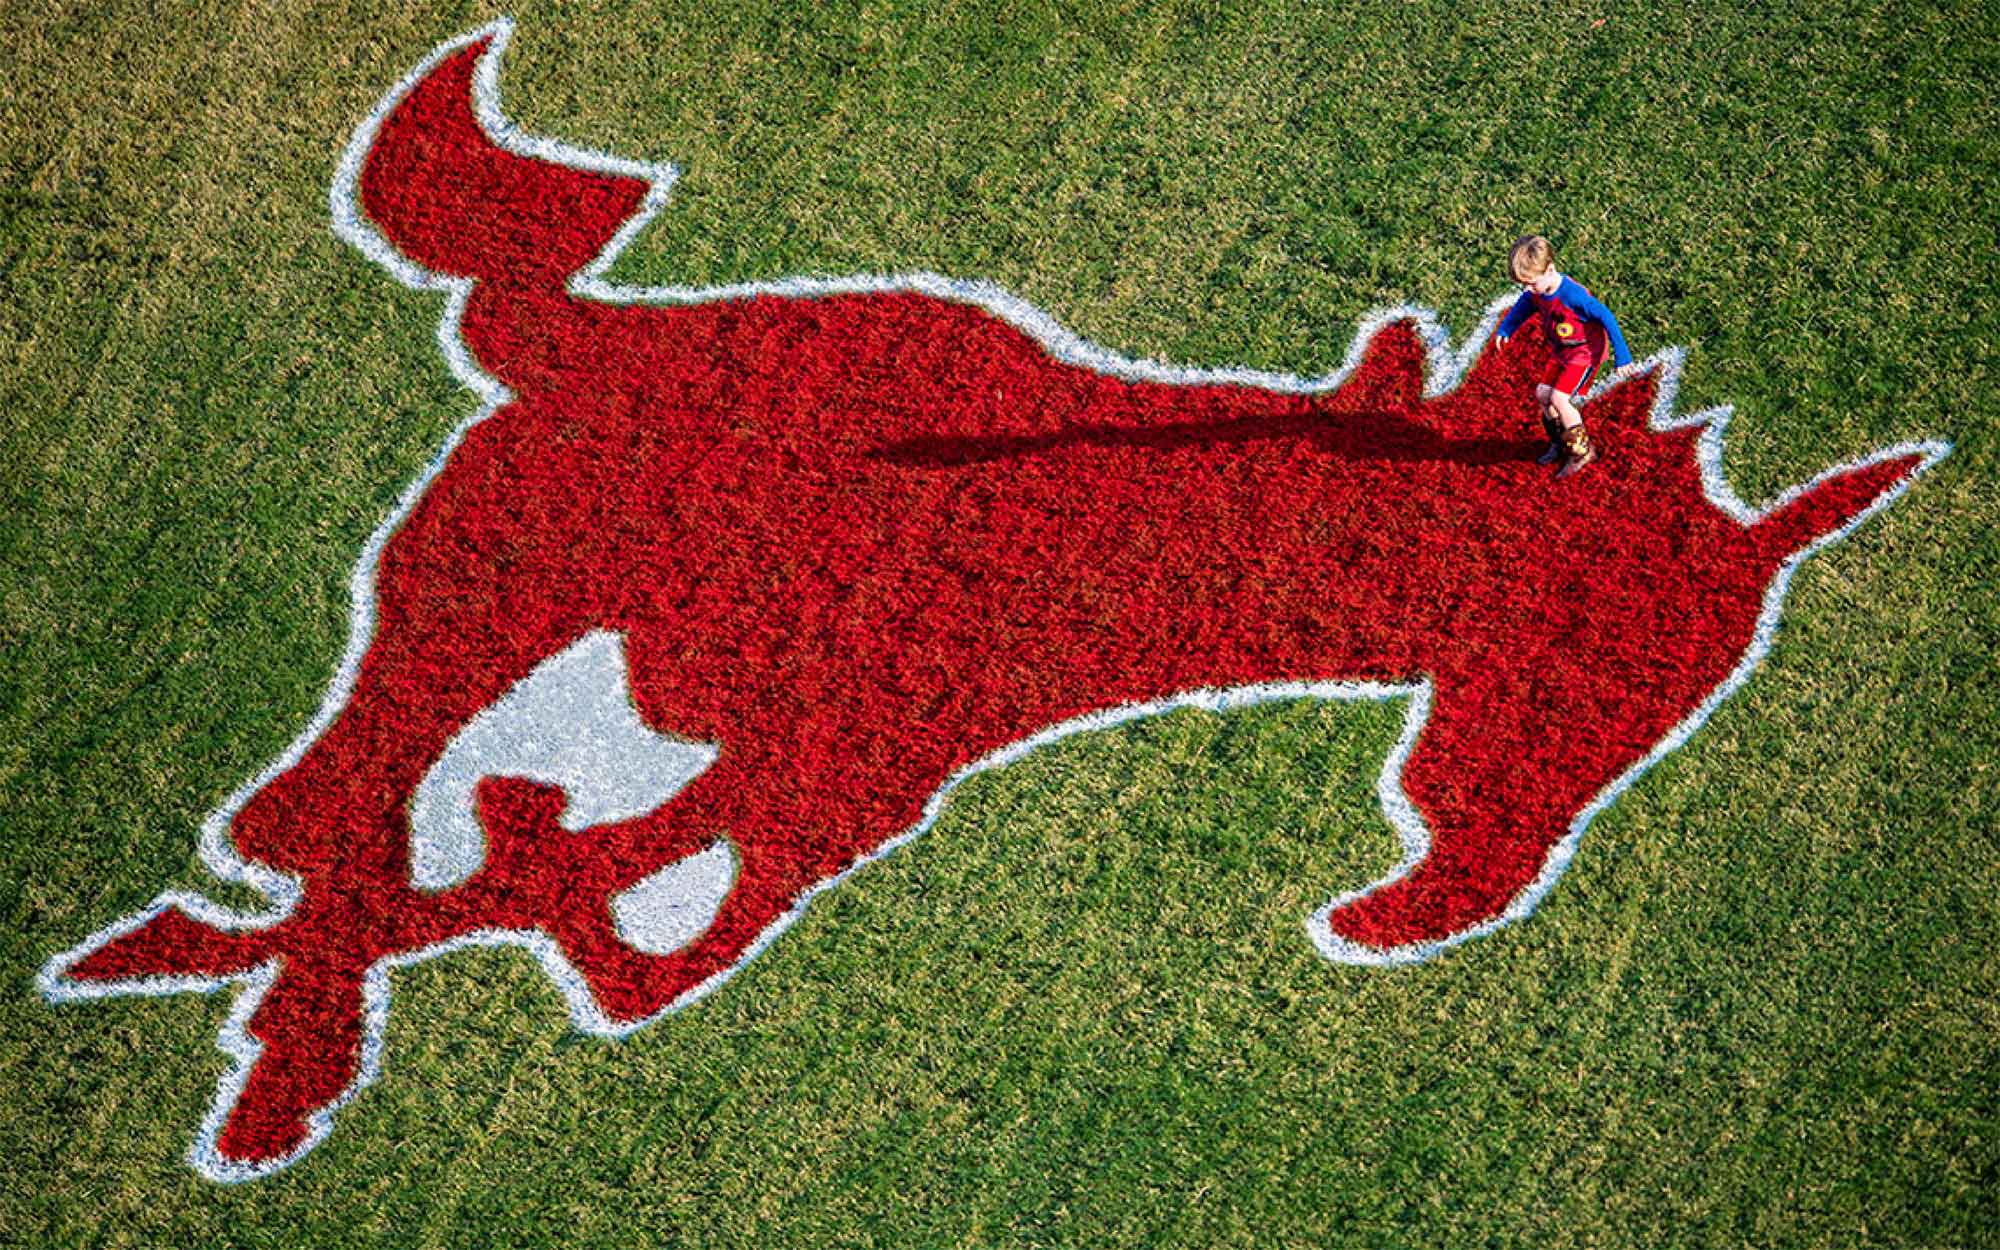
1530, 255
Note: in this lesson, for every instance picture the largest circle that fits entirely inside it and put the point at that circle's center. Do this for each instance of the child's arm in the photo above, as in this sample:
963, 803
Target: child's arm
1515, 316
1590, 306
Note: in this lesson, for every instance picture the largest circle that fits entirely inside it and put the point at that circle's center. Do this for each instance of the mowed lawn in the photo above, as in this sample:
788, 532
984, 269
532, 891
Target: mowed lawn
1759, 1010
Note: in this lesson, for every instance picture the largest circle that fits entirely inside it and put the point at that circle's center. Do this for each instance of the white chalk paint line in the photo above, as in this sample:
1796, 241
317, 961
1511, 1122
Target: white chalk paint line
1447, 368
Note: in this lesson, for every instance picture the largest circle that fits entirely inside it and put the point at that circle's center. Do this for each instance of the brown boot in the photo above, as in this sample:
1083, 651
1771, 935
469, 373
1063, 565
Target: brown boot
1581, 450
1554, 451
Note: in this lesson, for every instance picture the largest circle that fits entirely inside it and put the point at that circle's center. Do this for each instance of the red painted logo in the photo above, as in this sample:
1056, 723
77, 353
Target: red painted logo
727, 588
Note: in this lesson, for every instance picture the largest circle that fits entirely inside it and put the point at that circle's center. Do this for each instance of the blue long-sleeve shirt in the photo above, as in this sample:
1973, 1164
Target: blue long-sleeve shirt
1569, 318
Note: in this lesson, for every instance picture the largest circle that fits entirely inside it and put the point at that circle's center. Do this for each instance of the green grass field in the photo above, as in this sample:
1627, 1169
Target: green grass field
1762, 1009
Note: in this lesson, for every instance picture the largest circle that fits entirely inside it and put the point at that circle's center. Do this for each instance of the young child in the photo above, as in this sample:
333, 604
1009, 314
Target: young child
1576, 327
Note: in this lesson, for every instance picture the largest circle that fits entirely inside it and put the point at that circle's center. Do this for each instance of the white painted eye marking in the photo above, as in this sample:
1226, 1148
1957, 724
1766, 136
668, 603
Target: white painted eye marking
569, 723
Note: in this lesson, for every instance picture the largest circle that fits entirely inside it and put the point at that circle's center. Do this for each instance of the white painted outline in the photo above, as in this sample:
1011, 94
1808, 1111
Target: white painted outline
1447, 367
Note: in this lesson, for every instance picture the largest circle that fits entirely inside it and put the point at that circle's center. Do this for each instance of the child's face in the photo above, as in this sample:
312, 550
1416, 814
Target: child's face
1543, 283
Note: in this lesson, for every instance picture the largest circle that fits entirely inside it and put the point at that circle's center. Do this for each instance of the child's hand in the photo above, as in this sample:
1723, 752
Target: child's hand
1624, 371
1500, 340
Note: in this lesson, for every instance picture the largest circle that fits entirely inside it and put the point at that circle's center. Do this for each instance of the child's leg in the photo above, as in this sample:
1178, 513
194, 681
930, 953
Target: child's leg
1551, 427
1577, 448
1565, 409
1572, 378
1575, 376
1543, 393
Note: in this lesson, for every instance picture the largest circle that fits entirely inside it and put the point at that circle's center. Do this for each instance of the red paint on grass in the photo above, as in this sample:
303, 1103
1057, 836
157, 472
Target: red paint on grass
861, 541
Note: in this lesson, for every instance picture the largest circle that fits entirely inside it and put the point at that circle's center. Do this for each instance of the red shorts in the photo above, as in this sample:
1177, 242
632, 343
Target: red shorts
1570, 373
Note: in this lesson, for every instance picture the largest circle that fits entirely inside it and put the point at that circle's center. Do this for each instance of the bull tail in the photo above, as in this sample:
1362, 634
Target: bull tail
436, 183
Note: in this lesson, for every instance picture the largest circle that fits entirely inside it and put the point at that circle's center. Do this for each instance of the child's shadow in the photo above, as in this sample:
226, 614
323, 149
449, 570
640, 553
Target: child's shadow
1356, 436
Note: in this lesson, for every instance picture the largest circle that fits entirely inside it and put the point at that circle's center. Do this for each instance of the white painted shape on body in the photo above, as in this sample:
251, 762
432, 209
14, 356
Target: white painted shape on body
569, 723
675, 905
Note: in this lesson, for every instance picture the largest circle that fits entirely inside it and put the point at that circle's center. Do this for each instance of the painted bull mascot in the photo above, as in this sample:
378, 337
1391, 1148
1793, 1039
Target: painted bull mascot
724, 590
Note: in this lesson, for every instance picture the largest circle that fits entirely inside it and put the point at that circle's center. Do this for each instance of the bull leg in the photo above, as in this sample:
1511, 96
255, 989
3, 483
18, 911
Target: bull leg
1496, 791
646, 909
300, 1039
306, 1050
296, 1038
166, 947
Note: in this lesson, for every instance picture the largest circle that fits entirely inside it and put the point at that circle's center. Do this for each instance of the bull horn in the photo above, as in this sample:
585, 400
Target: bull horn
436, 183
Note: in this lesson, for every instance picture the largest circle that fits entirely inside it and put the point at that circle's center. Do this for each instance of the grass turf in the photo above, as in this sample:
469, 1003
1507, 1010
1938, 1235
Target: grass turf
1761, 1008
